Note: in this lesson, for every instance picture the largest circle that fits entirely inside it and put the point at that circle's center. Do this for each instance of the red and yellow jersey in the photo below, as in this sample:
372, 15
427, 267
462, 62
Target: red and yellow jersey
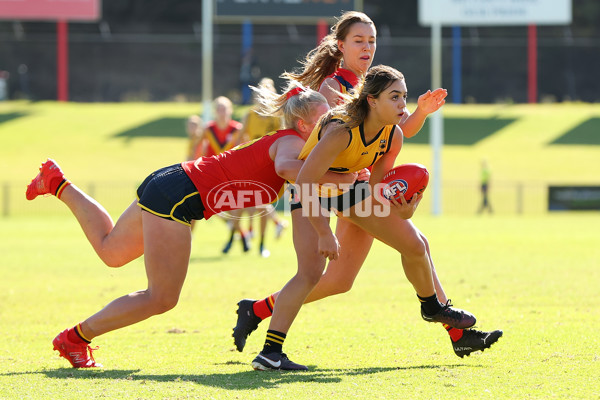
346, 79
219, 140
257, 125
358, 154
238, 178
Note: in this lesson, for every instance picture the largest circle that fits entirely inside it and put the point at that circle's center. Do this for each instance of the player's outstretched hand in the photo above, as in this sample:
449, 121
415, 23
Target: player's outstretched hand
430, 102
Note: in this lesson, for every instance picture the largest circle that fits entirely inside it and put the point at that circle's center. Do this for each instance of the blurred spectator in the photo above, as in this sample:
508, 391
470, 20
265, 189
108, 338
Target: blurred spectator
4, 85
24, 81
485, 187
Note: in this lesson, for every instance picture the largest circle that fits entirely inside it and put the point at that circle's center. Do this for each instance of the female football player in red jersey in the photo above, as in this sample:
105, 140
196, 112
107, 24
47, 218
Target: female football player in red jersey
157, 224
334, 67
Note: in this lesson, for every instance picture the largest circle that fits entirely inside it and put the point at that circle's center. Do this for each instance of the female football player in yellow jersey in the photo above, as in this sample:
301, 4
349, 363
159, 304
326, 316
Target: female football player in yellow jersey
254, 124
333, 68
362, 132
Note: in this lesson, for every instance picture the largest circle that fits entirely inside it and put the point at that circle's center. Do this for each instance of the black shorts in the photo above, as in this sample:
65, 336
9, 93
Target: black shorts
169, 193
358, 192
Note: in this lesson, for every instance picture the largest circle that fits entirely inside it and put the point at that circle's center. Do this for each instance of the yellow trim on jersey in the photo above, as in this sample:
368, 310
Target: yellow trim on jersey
217, 147
248, 143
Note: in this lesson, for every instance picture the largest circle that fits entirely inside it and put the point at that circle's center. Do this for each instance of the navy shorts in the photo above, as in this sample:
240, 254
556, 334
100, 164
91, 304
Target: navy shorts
358, 192
169, 193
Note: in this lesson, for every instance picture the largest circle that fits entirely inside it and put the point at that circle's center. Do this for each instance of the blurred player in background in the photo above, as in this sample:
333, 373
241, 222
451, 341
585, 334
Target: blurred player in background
219, 135
333, 68
254, 127
486, 174
157, 224
193, 128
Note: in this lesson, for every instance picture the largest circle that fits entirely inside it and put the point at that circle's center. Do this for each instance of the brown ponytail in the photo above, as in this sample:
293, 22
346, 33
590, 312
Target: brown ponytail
355, 107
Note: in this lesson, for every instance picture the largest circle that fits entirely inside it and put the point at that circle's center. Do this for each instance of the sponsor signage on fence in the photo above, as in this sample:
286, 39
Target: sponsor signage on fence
495, 12
562, 198
291, 10
50, 10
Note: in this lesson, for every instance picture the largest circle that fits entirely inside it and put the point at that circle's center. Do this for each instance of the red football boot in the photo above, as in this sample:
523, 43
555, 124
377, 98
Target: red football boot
76, 353
50, 180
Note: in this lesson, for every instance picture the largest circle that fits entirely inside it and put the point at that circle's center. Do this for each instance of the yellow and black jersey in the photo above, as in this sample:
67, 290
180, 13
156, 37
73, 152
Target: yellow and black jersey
359, 153
257, 125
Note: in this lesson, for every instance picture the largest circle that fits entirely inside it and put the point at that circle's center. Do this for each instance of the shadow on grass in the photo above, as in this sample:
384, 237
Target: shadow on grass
5, 117
87, 373
245, 380
162, 127
463, 131
585, 133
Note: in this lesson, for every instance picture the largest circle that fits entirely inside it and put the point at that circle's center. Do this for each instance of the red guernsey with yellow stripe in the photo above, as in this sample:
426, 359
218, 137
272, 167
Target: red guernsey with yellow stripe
347, 80
219, 140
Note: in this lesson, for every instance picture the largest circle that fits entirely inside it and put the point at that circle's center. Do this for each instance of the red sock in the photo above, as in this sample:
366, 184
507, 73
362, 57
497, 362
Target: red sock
455, 334
264, 308
76, 336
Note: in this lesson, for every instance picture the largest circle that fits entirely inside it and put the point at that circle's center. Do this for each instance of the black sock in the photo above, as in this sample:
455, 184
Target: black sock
431, 305
274, 342
245, 240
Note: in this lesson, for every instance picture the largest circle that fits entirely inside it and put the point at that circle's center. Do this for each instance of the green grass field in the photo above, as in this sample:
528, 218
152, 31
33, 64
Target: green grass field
109, 148
535, 275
